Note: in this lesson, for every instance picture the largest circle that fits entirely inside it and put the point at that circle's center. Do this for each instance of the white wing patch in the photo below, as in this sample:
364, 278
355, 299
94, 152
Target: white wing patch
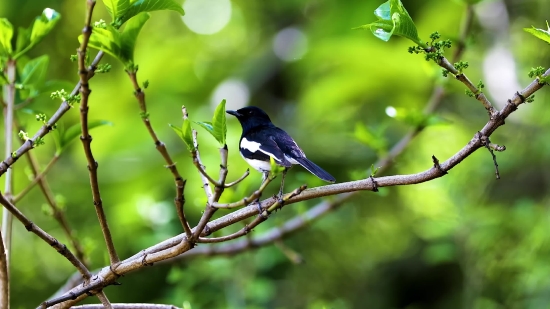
255, 146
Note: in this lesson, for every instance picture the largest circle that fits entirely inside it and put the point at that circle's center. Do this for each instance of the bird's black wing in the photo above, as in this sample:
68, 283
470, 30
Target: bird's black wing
260, 145
295, 155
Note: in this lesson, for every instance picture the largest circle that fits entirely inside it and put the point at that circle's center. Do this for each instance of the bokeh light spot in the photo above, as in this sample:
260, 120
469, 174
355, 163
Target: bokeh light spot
391, 111
290, 44
234, 91
206, 16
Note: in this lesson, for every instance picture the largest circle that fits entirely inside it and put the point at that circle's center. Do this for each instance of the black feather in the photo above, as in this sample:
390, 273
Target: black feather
315, 169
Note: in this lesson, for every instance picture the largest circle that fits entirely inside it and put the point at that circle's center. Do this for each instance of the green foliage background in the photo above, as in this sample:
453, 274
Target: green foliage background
462, 241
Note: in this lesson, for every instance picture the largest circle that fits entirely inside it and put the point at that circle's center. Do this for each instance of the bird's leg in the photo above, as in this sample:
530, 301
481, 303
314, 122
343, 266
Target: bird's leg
280, 195
257, 200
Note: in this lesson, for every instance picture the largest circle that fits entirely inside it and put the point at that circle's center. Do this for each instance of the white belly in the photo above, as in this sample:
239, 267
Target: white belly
258, 165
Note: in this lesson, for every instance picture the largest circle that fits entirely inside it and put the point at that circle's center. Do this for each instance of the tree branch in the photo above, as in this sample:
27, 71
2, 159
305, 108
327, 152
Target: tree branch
38, 177
179, 200
128, 306
179, 244
48, 127
7, 218
50, 240
4, 278
86, 138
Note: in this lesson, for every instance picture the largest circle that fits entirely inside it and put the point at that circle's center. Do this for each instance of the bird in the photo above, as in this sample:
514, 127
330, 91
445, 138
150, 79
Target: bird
261, 139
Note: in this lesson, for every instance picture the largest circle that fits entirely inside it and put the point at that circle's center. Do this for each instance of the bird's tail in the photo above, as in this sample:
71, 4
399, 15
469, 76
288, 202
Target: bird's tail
315, 169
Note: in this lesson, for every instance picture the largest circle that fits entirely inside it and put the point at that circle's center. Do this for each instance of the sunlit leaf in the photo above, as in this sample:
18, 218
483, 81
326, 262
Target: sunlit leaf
120, 45
34, 72
116, 7
185, 133
207, 126
129, 36
219, 123
540, 33
393, 19
141, 6
6, 33
43, 24
218, 127
122, 10
107, 40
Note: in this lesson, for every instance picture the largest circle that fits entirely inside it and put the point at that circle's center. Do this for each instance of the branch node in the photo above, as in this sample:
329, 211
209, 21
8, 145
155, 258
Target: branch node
438, 166
487, 143
29, 226
374, 184
144, 262
520, 96
114, 272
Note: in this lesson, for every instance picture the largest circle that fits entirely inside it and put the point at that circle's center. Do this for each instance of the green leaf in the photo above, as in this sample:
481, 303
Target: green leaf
540, 33
185, 133
107, 40
43, 24
207, 126
34, 72
120, 45
23, 38
122, 10
129, 36
219, 123
6, 33
140, 6
116, 7
393, 19
75, 130
218, 127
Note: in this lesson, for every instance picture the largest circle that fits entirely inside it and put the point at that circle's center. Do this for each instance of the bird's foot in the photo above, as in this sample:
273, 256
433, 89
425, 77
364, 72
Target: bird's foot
259, 205
280, 200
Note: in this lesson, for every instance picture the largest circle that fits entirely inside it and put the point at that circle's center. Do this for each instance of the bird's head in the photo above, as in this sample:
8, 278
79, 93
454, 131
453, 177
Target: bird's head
251, 117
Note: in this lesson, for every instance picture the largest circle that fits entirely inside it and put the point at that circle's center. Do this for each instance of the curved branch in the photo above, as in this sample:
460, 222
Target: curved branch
128, 306
179, 200
31, 227
179, 244
231, 184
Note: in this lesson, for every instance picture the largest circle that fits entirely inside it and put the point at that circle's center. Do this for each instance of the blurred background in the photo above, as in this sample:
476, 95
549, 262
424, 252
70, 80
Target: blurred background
465, 240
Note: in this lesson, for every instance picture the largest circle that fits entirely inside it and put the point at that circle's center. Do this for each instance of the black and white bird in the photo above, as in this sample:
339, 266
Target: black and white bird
261, 139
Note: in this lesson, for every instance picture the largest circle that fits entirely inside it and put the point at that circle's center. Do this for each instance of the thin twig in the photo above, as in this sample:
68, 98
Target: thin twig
248, 227
50, 240
86, 138
48, 126
179, 200
37, 178
487, 143
57, 212
231, 184
128, 306
247, 200
220, 186
179, 244
4, 278
105, 303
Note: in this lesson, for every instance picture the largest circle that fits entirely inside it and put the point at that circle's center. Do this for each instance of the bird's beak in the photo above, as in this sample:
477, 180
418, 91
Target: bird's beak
234, 113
